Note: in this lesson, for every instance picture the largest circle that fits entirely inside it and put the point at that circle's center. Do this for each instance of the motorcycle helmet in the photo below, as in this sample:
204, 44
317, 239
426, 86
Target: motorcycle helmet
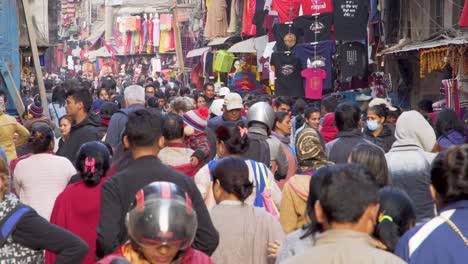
261, 112
162, 214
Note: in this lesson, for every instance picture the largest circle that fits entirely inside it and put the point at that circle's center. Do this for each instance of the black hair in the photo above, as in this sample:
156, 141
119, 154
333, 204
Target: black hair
346, 192
206, 85
58, 95
67, 117
93, 162
40, 139
173, 126
98, 92
314, 193
299, 107
329, 103
150, 85
233, 176
374, 158
449, 174
380, 110
120, 260
397, 215
283, 100
81, 96
448, 120
279, 117
108, 109
426, 105
143, 128
108, 83
184, 91
234, 142
309, 110
149, 79
160, 94
347, 116
156, 84
152, 102
198, 95
119, 100
4, 95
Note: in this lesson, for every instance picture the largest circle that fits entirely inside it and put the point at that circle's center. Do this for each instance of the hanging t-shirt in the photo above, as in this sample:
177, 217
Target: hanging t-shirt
287, 10
323, 52
352, 61
285, 36
288, 75
314, 28
268, 23
258, 20
313, 82
310, 7
350, 19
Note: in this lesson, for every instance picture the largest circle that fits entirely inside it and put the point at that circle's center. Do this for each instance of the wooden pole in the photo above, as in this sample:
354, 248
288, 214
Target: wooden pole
35, 53
178, 40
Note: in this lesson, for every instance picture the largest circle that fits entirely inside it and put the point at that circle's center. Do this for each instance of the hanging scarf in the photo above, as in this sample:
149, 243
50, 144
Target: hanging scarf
285, 139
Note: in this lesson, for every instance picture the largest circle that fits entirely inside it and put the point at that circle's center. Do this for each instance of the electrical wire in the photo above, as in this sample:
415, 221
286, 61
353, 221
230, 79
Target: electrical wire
428, 14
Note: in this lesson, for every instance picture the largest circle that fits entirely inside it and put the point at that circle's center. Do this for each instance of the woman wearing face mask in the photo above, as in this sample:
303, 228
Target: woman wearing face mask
377, 130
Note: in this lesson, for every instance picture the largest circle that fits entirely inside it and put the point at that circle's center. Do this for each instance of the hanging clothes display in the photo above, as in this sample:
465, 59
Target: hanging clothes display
313, 83
350, 19
232, 28
310, 7
463, 22
288, 80
352, 61
149, 45
322, 53
452, 99
268, 23
166, 42
314, 27
216, 20
156, 32
248, 28
258, 21
285, 36
287, 10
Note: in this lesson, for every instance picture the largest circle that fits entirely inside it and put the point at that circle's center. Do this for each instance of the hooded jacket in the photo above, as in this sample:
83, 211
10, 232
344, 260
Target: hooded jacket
81, 133
384, 140
294, 202
339, 149
329, 129
409, 161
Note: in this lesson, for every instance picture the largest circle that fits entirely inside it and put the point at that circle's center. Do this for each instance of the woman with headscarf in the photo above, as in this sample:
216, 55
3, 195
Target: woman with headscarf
311, 156
409, 161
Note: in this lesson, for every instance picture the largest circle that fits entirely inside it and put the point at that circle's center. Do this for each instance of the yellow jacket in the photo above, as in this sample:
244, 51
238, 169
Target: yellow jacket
8, 127
294, 202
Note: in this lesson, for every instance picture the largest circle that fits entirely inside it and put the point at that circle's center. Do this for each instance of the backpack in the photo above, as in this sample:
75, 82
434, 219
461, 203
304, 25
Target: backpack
8, 223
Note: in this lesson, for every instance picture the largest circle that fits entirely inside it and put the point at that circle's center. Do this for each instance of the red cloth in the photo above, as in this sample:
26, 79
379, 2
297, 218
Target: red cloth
287, 10
248, 28
191, 256
188, 169
463, 22
310, 7
329, 129
77, 209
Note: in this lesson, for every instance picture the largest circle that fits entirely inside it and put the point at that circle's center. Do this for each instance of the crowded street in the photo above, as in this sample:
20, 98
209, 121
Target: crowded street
233, 132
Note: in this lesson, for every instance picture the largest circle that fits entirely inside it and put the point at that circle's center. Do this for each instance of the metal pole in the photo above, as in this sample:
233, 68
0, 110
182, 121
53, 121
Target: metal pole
178, 40
35, 53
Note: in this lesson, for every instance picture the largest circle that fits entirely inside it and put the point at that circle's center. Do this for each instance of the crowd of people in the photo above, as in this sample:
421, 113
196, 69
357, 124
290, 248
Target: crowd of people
148, 171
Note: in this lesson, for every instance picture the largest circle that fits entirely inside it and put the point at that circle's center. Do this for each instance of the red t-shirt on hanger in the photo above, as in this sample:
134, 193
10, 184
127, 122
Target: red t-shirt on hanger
310, 7
287, 10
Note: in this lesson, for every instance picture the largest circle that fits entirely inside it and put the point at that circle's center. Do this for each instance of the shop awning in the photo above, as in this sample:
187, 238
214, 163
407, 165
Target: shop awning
427, 45
97, 30
99, 53
246, 46
197, 52
218, 41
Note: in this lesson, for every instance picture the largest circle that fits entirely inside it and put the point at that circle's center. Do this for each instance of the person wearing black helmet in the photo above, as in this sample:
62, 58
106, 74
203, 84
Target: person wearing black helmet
161, 224
264, 148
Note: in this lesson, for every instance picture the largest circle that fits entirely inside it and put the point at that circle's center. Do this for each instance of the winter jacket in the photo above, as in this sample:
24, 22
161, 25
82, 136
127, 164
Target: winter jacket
118, 192
384, 140
190, 256
449, 139
117, 124
81, 133
409, 161
328, 129
8, 127
216, 122
293, 203
339, 149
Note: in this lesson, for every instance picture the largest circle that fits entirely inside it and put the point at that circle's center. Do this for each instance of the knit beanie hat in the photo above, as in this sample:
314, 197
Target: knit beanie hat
195, 121
35, 109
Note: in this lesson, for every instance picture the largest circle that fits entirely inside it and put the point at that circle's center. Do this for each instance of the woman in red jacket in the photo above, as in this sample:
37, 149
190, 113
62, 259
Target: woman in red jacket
161, 225
77, 207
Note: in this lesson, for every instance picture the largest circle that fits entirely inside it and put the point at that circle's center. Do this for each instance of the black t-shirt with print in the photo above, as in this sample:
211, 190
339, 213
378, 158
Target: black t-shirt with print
350, 19
352, 59
280, 31
312, 26
288, 75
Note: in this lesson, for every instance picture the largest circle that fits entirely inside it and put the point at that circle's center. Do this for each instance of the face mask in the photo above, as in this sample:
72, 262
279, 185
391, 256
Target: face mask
373, 125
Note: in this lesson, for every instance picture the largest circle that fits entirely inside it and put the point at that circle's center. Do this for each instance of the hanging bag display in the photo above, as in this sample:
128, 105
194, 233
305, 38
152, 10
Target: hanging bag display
223, 61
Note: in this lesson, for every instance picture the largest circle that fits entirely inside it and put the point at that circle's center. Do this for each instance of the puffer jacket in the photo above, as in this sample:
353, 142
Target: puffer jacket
386, 138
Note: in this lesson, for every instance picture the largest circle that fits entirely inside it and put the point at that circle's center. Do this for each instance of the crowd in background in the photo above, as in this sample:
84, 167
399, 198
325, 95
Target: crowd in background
147, 171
